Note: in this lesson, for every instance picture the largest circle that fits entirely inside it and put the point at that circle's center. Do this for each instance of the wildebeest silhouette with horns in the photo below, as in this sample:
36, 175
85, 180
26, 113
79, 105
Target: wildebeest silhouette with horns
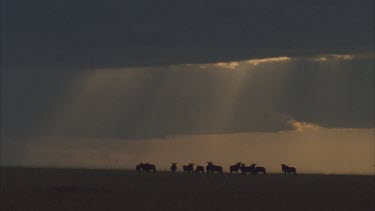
288, 169
211, 168
146, 167
253, 169
174, 167
245, 169
199, 169
188, 168
260, 169
235, 168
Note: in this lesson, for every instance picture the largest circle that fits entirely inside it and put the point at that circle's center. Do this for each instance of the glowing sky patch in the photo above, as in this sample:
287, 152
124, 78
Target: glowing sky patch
302, 126
234, 65
333, 57
228, 65
268, 60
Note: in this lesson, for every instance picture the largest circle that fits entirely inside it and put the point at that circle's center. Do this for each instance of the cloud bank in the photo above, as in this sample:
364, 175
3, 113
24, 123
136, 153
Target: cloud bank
82, 34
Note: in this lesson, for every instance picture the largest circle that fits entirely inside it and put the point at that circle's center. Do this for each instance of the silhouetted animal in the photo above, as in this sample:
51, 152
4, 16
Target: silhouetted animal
147, 167
288, 169
199, 169
211, 168
259, 169
245, 169
235, 168
188, 168
174, 167
138, 168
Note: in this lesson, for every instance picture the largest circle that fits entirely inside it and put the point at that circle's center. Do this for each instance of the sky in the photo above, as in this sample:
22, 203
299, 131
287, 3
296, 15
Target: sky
114, 83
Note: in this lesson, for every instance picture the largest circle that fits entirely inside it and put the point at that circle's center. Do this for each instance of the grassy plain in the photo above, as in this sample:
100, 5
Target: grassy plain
77, 189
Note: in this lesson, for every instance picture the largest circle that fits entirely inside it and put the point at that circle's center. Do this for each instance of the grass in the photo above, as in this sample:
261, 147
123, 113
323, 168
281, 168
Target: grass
77, 189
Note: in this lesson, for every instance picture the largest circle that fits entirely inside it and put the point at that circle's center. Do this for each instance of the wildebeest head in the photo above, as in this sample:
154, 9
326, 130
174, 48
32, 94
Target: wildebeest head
174, 167
191, 164
210, 163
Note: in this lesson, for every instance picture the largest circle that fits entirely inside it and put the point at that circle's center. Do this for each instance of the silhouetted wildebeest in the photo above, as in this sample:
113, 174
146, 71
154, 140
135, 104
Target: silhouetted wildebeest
259, 169
235, 168
288, 169
174, 167
199, 169
245, 169
138, 168
188, 168
147, 167
211, 168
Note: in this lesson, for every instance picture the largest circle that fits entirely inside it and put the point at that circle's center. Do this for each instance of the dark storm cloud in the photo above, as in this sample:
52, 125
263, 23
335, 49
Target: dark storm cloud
74, 34
51, 48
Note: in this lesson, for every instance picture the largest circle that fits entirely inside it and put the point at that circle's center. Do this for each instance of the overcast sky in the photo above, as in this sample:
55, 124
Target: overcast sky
121, 71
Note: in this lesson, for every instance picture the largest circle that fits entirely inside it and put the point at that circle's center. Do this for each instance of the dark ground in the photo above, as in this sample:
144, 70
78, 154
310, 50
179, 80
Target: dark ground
69, 189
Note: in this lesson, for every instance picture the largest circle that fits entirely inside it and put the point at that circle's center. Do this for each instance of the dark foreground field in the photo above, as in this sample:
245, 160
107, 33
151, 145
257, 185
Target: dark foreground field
63, 189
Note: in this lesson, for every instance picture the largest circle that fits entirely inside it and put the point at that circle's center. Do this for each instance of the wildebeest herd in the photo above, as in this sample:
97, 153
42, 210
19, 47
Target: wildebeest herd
211, 168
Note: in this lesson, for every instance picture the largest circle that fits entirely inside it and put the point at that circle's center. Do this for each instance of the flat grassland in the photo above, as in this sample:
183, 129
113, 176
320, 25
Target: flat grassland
74, 189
